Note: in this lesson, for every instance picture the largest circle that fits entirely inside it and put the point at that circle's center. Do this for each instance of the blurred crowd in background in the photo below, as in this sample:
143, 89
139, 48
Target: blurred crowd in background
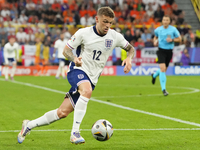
27, 20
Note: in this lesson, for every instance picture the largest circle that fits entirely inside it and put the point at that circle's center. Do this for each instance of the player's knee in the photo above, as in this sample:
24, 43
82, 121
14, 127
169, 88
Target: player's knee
86, 92
62, 113
163, 69
62, 64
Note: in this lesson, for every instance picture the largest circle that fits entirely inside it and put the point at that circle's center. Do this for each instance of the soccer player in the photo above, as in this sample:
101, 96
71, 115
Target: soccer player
59, 45
165, 36
94, 45
10, 55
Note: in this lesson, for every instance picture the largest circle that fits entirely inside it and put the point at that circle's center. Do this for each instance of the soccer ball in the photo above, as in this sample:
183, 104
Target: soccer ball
102, 130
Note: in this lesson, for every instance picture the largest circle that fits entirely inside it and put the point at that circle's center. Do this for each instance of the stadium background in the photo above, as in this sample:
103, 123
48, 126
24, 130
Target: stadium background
143, 119
27, 20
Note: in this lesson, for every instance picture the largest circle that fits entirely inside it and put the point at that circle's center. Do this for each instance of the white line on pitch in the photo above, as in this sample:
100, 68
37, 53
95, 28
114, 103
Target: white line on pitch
193, 90
63, 130
114, 105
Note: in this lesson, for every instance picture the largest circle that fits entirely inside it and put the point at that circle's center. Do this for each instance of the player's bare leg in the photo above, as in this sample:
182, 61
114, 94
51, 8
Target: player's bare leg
60, 69
85, 91
6, 72
48, 118
63, 71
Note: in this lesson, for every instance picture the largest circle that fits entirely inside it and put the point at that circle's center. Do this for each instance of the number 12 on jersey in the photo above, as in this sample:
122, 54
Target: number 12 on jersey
96, 54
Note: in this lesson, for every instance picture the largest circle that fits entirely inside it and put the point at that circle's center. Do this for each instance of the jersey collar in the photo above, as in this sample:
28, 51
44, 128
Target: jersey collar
95, 30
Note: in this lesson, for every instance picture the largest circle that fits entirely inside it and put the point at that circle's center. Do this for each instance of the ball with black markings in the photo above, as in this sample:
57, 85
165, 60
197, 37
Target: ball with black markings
102, 130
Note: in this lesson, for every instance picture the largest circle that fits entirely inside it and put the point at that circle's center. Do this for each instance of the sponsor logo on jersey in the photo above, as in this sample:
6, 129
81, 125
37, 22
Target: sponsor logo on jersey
108, 43
80, 76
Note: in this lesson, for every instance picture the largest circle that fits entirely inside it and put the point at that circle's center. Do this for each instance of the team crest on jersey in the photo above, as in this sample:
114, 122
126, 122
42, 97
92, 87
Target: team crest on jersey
80, 76
108, 43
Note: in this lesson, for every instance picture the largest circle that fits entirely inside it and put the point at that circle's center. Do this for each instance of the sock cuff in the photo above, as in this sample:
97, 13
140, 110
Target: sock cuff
162, 72
56, 114
85, 99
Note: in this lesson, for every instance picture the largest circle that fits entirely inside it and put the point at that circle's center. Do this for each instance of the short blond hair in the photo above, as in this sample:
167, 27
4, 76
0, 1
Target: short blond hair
106, 11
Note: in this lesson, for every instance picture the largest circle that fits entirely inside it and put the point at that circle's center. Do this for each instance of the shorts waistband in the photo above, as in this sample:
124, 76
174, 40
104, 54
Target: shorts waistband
164, 49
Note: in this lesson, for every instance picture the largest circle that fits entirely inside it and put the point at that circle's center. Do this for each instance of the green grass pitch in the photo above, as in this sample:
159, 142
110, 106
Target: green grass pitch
143, 119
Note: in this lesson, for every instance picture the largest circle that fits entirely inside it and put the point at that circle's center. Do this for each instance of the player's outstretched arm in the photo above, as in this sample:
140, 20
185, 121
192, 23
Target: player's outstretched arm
155, 41
178, 39
131, 52
67, 52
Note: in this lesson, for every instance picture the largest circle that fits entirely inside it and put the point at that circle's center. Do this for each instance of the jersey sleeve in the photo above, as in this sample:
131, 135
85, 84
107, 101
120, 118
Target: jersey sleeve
121, 41
56, 44
17, 46
75, 40
5, 49
176, 33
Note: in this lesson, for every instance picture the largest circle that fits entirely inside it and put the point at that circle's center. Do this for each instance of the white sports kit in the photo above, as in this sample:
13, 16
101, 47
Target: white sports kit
94, 49
10, 51
59, 44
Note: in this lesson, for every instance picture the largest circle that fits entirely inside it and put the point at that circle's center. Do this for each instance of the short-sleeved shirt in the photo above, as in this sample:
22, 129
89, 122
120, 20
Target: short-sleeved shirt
94, 49
162, 35
59, 44
10, 50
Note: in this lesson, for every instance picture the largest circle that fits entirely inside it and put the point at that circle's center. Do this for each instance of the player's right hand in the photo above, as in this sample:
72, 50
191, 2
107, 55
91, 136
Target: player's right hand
77, 61
155, 43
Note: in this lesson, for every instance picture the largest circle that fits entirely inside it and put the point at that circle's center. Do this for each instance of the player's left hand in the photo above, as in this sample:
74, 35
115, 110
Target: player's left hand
169, 39
128, 65
78, 61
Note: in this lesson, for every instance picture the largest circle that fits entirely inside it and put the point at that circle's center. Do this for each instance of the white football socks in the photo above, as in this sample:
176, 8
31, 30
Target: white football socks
6, 73
58, 71
13, 71
46, 119
61, 69
79, 112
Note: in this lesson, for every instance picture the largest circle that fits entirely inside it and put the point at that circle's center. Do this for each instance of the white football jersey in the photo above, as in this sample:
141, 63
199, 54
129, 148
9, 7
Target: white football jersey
59, 44
94, 49
9, 50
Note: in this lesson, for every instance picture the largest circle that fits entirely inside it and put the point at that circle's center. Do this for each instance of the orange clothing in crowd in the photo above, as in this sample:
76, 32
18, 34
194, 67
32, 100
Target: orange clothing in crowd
134, 6
72, 6
70, 19
65, 1
157, 24
128, 23
118, 14
150, 21
120, 20
165, 6
134, 13
65, 13
82, 13
92, 12
140, 16
132, 32
36, 1
139, 44
56, 6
